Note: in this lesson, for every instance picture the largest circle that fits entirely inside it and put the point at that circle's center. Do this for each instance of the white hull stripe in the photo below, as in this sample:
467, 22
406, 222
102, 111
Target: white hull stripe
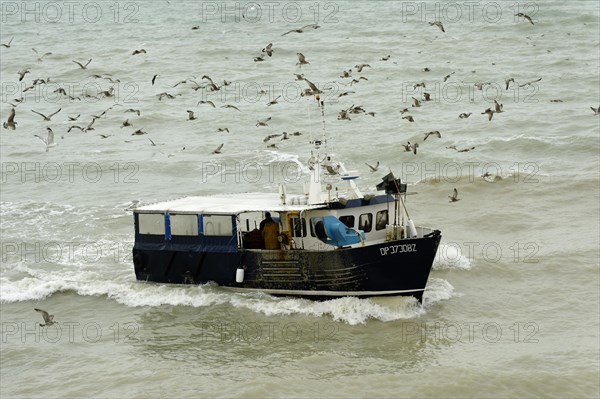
322, 293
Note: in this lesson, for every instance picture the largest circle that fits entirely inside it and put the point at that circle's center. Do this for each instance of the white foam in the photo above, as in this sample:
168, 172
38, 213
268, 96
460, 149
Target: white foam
131, 293
450, 256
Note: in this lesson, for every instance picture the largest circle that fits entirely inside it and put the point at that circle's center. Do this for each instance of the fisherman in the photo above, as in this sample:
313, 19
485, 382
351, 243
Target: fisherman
270, 232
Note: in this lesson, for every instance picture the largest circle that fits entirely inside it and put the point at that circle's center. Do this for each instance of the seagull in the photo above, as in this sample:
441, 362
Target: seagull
41, 58
529, 83
223, 129
409, 118
313, 87
126, 123
154, 79
273, 102
271, 136
343, 115
331, 169
73, 118
191, 116
263, 122
527, 17
489, 113
81, 65
407, 147
231, 106
48, 318
49, 141
387, 57
346, 74
414, 148
402, 111
432, 133
438, 24
268, 49
22, 73
299, 76
422, 84
454, 196
426, 96
138, 132
7, 45
301, 30
453, 147
596, 110
357, 80
259, 58
499, 107
206, 102
301, 59
46, 118
136, 111
132, 205
10, 122
416, 102
464, 115
373, 168
136, 52
359, 67
448, 76
89, 126
507, 81
218, 149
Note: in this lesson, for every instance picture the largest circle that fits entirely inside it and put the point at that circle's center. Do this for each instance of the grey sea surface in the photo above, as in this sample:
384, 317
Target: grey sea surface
513, 302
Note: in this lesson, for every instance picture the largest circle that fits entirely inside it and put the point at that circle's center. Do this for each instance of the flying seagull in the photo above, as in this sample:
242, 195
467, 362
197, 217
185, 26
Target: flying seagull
432, 133
268, 49
10, 122
49, 141
46, 118
81, 65
596, 110
454, 196
7, 45
301, 59
263, 122
218, 149
438, 24
300, 30
48, 318
373, 168
527, 17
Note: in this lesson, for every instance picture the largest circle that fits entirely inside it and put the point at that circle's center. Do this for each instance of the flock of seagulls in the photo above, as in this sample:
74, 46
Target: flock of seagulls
350, 76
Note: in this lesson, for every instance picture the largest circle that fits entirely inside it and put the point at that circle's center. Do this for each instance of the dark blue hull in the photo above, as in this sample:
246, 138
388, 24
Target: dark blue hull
390, 268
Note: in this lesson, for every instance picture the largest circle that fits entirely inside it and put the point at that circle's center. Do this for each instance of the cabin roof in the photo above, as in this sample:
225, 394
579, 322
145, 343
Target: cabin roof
226, 204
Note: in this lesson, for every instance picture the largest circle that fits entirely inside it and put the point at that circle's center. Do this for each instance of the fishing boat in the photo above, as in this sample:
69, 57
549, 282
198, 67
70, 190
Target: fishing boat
329, 240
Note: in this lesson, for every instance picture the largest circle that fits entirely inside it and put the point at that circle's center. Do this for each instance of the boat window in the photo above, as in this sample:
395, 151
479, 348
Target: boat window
151, 223
365, 222
298, 227
347, 220
381, 220
184, 225
217, 225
